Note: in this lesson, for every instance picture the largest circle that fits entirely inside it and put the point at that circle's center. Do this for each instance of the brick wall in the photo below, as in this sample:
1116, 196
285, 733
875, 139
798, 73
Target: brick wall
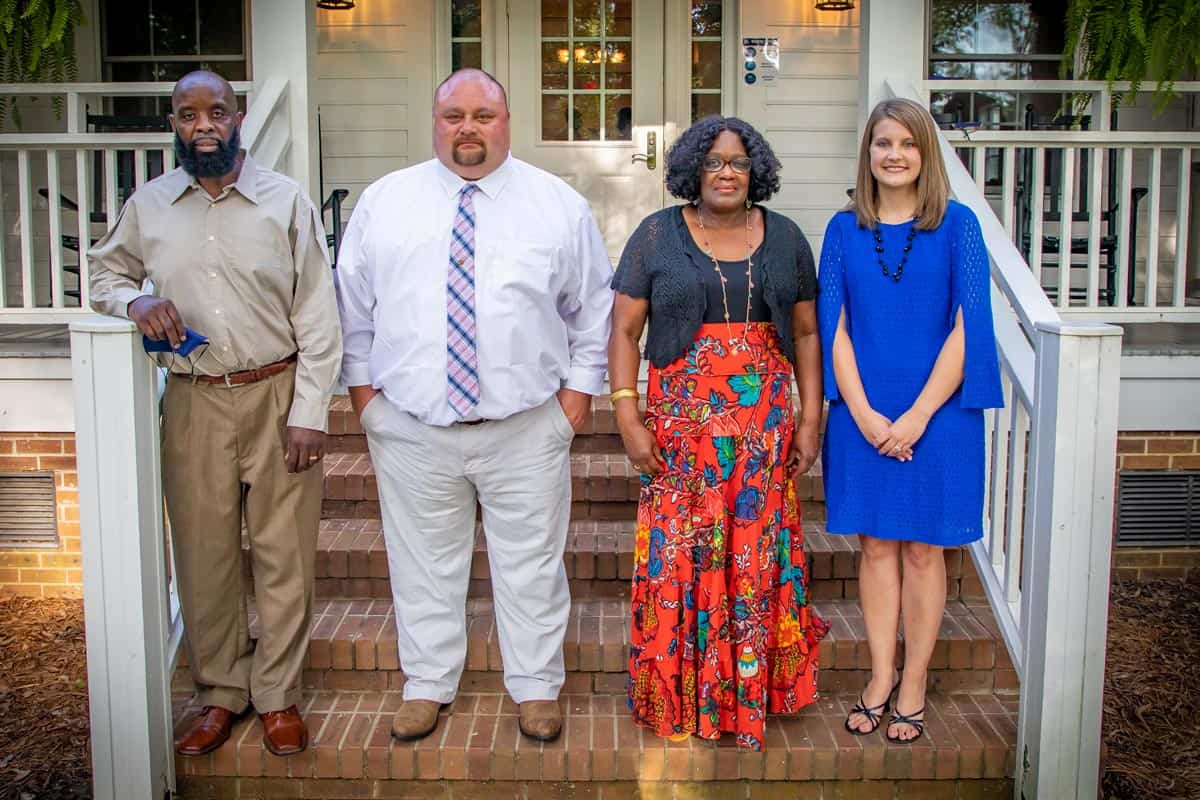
45, 573
1154, 451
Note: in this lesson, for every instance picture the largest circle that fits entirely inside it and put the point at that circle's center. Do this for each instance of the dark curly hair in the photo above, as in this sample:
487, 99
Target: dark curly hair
684, 157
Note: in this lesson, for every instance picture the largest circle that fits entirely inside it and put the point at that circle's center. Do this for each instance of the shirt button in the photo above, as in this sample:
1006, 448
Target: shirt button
212, 274
217, 312
225, 348
211, 238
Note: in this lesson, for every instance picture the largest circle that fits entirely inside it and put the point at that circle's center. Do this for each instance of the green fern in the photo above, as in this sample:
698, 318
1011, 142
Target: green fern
37, 45
1137, 41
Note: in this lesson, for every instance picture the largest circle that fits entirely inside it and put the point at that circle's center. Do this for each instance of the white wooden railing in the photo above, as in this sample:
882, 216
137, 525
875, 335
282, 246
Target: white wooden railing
1044, 557
58, 211
1121, 199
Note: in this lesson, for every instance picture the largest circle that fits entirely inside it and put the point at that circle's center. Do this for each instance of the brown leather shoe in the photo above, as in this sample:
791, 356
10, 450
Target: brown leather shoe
416, 719
208, 731
284, 732
541, 720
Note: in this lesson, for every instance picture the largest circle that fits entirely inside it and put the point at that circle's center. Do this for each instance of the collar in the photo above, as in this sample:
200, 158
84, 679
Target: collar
490, 185
178, 181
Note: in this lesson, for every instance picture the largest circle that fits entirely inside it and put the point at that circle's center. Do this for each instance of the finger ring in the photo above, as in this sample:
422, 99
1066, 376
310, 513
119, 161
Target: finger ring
896, 449
314, 458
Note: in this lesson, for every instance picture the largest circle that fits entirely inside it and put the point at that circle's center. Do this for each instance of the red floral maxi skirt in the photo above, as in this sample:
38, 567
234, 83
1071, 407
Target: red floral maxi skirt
722, 630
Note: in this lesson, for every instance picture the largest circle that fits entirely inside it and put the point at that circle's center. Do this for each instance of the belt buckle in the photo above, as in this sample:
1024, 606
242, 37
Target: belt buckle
228, 383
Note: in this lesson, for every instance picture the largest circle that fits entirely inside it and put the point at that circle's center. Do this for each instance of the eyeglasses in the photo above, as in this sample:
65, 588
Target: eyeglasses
741, 164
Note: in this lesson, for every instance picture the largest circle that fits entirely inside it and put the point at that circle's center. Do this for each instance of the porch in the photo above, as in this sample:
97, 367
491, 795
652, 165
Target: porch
1062, 200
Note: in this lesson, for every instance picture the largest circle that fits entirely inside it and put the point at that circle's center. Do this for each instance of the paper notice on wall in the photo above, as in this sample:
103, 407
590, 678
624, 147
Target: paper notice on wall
760, 59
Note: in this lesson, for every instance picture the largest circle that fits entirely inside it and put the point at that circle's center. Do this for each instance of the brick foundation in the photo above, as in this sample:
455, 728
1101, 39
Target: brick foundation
1155, 451
45, 573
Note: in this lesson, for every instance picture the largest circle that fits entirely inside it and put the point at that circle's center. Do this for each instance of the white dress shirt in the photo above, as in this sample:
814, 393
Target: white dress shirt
543, 304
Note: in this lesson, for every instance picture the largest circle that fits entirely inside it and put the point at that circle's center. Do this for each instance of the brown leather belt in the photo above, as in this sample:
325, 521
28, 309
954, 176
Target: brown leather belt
243, 377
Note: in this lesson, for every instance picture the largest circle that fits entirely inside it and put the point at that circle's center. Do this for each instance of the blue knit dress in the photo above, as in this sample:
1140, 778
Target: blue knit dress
897, 329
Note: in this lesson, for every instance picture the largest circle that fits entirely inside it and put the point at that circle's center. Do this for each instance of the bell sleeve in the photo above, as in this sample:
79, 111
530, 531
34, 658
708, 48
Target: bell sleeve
831, 298
970, 278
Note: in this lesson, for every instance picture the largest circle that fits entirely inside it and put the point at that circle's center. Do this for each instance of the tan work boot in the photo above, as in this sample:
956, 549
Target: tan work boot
541, 719
415, 719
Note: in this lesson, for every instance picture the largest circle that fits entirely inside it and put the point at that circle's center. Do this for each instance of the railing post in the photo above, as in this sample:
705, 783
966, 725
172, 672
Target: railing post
125, 598
1065, 565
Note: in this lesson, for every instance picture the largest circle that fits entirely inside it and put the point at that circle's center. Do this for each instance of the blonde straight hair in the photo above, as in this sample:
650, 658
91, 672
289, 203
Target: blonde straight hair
933, 185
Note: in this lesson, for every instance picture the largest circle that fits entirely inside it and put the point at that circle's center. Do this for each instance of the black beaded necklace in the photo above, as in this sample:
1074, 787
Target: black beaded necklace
908, 242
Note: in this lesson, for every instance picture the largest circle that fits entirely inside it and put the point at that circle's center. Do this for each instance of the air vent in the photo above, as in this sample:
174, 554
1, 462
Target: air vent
1158, 508
28, 517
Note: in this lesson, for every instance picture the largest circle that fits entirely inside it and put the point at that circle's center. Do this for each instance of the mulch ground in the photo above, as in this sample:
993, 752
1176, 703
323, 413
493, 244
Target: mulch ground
1152, 692
1151, 696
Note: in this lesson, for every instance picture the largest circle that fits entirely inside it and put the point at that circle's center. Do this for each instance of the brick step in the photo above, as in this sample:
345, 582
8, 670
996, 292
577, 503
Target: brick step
603, 487
352, 562
967, 752
353, 646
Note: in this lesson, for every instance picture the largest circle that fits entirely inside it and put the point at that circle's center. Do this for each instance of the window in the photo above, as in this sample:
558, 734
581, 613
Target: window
587, 70
162, 40
706, 58
995, 40
466, 35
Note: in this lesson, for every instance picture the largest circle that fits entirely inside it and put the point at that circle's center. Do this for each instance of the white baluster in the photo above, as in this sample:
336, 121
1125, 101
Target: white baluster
1017, 480
54, 203
1182, 217
139, 168
83, 189
1065, 218
1009, 186
110, 187
1126, 275
1152, 227
998, 469
1038, 198
25, 205
1095, 165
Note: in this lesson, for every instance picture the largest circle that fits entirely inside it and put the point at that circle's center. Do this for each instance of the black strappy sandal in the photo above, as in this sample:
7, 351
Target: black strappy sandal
874, 714
911, 720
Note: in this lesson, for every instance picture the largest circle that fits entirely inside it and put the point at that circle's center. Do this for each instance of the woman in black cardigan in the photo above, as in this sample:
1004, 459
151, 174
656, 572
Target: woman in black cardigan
722, 632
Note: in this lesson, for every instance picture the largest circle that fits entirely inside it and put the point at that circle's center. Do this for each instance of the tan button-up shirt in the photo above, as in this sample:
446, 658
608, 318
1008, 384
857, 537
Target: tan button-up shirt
248, 269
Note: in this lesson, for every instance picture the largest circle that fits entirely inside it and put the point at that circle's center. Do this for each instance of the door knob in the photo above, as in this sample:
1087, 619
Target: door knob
650, 157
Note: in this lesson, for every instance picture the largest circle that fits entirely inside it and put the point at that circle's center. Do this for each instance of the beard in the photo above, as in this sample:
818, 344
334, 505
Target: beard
469, 159
216, 164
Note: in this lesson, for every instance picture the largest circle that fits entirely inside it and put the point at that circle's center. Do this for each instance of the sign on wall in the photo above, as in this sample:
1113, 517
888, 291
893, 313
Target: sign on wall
760, 59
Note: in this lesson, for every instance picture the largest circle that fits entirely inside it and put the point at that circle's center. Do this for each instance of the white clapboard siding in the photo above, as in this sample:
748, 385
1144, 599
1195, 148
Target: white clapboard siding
809, 114
374, 85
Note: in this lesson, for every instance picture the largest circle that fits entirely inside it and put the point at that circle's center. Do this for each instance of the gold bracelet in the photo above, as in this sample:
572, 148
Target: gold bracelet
620, 393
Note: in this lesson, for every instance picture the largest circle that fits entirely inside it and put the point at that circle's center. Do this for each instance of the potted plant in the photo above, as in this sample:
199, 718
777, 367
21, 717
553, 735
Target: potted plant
37, 45
1134, 41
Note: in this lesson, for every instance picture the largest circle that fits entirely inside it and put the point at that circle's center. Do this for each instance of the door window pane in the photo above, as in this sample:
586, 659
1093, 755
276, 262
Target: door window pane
221, 28
586, 121
618, 117
707, 48
587, 70
466, 34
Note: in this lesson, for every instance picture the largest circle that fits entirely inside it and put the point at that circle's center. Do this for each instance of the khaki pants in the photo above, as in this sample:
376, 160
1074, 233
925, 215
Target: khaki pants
223, 463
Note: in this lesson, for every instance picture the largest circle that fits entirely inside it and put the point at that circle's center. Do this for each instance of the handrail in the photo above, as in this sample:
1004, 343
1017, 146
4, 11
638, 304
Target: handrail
1074, 138
1009, 270
74, 141
115, 89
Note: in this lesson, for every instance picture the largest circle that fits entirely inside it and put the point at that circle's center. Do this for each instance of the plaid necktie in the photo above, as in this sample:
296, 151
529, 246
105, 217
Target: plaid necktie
462, 391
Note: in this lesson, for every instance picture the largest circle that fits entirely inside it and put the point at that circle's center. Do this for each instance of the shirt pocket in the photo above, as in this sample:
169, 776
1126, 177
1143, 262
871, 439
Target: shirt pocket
517, 287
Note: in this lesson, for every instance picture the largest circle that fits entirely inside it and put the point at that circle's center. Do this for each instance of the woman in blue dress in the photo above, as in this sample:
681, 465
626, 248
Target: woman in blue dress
910, 363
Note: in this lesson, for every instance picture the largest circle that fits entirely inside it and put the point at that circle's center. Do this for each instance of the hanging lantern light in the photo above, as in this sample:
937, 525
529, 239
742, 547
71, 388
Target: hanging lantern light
335, 5
835, 5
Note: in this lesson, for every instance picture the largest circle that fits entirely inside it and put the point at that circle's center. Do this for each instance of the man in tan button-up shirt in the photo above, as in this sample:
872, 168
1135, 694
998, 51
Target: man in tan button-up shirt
236, 253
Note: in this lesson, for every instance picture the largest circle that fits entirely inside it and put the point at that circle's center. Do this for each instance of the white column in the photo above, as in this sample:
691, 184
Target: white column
284, 45
125, 599
892, 42
1069, 528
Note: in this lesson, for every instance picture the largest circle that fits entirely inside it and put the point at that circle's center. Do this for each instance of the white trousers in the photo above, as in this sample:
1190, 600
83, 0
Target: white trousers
429, 478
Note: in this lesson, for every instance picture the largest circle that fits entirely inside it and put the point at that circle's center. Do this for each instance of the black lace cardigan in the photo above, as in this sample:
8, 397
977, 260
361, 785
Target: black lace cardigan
655, 265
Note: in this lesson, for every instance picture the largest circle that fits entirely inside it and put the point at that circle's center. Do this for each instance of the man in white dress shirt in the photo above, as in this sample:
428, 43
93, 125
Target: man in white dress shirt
475, 309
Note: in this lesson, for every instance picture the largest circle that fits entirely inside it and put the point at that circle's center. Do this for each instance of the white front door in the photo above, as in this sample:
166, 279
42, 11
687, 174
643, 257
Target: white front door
586, 82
